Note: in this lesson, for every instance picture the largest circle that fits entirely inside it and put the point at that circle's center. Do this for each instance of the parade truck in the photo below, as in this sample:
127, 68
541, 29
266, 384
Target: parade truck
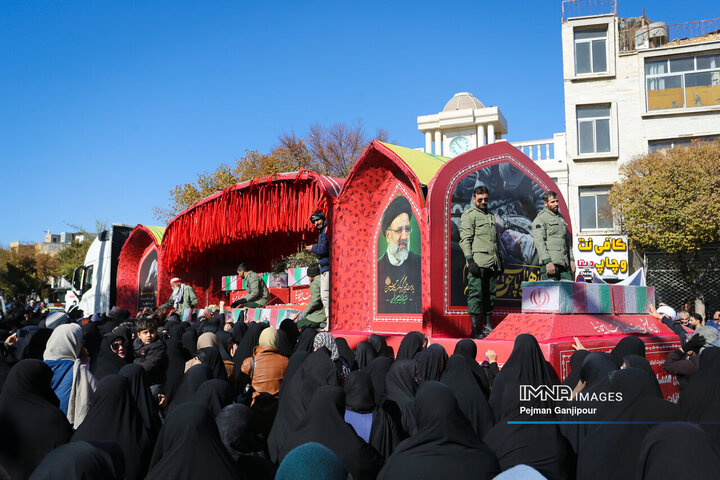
93, 287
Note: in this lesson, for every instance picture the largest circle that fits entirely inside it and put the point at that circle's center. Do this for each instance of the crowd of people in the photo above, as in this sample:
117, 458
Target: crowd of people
116, 397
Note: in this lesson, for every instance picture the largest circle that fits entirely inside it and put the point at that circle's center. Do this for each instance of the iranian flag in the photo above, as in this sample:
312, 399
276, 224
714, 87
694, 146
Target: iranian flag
591, 298
298, 276
229, 283
631, 299
186, 314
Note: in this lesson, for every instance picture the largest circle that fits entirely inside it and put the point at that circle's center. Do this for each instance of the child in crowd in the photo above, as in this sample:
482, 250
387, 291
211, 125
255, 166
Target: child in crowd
150, 351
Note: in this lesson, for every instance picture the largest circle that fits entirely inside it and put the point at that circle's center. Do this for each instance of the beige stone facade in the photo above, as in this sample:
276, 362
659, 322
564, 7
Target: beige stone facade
639, 119
630, 87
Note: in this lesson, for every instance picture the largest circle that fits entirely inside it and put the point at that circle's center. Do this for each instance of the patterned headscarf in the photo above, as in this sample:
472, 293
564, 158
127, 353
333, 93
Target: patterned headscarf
56, 319
324, 339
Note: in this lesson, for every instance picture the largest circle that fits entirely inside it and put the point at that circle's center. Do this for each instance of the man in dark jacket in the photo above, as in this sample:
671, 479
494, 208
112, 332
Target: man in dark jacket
150, 351
684, 361
322, 250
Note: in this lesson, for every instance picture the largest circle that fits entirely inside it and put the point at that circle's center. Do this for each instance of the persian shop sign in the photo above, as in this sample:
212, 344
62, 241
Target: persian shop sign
604, 255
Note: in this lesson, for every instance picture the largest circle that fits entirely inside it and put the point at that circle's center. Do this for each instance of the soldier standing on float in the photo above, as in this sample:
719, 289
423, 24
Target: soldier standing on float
478, 241
553, 242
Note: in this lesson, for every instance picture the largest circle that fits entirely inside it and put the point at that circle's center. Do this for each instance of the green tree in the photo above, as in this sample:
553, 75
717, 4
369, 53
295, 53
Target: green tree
290, 154
72, 257
18, 272
668, 201
206, 183
25, 269
46, 266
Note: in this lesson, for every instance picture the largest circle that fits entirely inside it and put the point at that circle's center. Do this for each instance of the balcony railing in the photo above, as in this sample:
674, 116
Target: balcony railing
550, 149
677, 34
587, 8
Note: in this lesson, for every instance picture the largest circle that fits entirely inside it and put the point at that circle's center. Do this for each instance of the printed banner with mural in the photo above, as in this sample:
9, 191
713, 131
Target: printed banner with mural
148, 281
515, 200
604, 255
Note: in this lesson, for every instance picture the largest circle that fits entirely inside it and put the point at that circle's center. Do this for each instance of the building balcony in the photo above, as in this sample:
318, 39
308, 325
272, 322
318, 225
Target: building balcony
544, 151
655, 35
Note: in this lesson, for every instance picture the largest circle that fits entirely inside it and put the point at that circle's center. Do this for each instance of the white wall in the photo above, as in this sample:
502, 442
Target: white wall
631, 127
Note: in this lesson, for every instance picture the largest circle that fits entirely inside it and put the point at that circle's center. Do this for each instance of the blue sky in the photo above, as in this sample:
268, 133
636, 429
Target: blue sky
106, 106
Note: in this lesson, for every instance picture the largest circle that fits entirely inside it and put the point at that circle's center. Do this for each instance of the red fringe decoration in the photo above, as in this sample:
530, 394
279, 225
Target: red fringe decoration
246, 219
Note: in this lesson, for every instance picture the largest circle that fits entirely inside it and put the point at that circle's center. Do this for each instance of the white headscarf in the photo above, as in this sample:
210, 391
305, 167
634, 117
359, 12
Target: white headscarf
178, 295
666, 310
65, 343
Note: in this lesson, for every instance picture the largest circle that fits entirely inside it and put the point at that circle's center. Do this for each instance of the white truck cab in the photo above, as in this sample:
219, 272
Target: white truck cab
93, 286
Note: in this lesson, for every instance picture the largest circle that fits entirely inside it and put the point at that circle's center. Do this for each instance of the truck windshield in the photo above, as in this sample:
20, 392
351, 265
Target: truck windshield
88, 278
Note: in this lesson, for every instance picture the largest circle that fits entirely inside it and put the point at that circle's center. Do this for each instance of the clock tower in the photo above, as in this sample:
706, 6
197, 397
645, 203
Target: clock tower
464, 124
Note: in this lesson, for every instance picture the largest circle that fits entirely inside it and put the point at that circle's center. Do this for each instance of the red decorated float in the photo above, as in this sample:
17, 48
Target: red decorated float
392, 195
255, 222
139, 269
365, 297
368, 298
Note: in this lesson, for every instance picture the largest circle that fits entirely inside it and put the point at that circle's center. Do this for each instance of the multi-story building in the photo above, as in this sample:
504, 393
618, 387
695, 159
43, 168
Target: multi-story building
631, 86
54, 243
25, 248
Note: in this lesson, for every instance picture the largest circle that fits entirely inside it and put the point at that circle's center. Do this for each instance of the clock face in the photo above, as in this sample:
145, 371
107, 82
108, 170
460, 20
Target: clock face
459, 145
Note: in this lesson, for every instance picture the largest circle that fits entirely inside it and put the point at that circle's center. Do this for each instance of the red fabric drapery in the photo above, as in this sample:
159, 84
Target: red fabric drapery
250, 218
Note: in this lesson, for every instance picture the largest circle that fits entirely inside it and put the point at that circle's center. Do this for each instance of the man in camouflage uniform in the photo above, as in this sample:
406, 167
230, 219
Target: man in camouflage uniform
478, 241
553, 242
257, 295
314, 314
